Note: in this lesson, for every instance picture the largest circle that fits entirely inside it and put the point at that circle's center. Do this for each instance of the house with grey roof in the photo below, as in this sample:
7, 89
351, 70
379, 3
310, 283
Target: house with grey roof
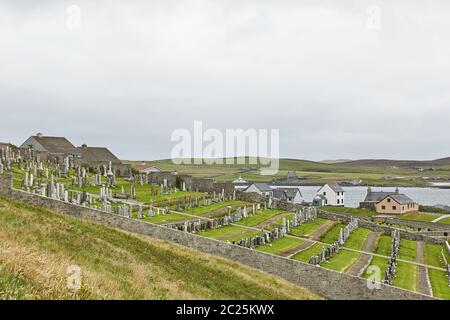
388, 202
95, 157
290, 195
333, 194
260, 188
50, 148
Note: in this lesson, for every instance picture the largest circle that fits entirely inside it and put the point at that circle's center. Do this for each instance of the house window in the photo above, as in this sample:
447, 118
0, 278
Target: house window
324, 193
394, 207
388, 200
337, 201
383, 207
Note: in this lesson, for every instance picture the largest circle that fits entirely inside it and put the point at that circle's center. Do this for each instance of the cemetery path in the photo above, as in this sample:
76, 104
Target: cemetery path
423, 285
322, 230
358, 267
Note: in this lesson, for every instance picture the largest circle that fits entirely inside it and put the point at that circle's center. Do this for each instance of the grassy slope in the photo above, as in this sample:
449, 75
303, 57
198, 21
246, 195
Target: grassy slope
39, 245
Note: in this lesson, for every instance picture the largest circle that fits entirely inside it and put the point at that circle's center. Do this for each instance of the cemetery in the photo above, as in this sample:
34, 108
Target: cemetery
306, 234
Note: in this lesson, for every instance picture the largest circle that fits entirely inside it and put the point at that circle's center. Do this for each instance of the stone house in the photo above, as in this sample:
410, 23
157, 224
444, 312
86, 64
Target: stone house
50, 148
261, 188
333, 193
389, 202
290, 195
95, 157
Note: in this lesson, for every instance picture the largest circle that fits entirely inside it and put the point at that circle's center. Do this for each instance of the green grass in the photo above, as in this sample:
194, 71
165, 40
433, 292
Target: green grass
259, 218
116, 265
357, 239
333, 234
379, 262
406, 276
384, 246
305, 255
342, 261
224, 232
438, 279
445, 220
215, 206
408, 250
166, 218
439, 283
308, 228
346, 210
419, 216
280, 246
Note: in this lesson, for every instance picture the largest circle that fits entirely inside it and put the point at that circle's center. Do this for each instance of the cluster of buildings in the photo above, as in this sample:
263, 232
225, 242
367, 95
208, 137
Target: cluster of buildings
57, 149
390, 203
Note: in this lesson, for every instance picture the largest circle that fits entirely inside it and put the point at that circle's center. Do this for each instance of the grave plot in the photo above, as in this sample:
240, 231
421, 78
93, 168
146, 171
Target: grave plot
216, 209
305, 255
439, 279
230, 233
267, 218
408, 250
406, 277
281, 246
312, 229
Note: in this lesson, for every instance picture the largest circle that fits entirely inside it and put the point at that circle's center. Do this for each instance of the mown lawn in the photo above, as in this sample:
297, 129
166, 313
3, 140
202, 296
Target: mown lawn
308, 228
379, 262
224, 232
39, 246
343, 260
349, 210
357, 238
406, 276
384, 246
215, 206
445, 220
256, 219
333, 234
280, 246
305, 255
408, 250
438, 279
419, 216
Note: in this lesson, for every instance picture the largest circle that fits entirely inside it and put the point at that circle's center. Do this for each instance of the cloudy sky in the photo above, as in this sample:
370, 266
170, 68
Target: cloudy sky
339, 79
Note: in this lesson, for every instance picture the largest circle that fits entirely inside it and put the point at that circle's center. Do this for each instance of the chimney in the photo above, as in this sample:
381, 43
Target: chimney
39, 135
84, 145
397, 191
369, 190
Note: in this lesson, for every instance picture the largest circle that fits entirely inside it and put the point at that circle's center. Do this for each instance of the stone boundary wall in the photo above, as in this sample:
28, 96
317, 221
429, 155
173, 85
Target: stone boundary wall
328, 283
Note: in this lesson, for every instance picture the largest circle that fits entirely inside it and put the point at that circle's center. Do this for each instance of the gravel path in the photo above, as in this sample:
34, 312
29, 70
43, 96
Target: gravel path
359, 266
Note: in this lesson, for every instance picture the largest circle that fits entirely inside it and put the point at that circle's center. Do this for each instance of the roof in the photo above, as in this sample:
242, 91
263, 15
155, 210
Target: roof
144, 166
264, 187
378, 196
334, 186
56, 144
99, 154
283, 193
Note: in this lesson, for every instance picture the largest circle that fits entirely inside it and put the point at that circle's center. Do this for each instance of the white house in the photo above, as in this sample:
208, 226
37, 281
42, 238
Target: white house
260, 188
333, 194
291, 195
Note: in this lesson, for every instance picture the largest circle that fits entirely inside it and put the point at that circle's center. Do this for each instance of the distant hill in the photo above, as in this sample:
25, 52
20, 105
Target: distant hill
398, 163
335, 161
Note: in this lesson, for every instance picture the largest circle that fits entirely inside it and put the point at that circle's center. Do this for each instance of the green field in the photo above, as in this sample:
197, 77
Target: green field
379, 262
445, 220
314, 173
384, 246
438, 279
200, 211
276, 217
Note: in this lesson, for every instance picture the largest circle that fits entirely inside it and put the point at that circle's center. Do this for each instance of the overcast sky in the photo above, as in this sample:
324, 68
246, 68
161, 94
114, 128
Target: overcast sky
337, 81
